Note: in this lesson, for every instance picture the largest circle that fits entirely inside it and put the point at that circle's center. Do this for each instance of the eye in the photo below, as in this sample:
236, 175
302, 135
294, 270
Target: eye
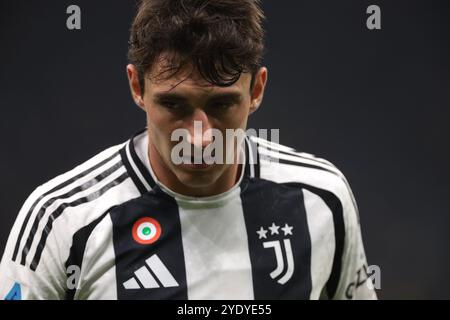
222, 105
170, 105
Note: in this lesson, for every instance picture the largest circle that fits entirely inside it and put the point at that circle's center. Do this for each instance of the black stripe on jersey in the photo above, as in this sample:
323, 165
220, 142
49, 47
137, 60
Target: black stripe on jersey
58, 187
335, 205
256, 154
78, 247
258, 164
132, 256
247, 159
40, 214
49, 225
141, 167
266, 203
252, 159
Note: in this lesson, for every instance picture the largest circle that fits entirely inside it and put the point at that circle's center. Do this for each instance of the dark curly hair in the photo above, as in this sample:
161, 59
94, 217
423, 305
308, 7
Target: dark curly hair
220, 39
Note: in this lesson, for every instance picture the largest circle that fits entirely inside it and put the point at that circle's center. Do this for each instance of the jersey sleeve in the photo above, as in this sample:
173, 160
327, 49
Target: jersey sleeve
355, 282
20, 282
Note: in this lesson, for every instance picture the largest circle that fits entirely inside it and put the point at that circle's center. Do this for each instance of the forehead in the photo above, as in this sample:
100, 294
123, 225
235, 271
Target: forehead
188, 81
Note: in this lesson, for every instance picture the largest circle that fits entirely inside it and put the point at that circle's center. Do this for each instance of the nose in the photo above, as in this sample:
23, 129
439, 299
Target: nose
200, 129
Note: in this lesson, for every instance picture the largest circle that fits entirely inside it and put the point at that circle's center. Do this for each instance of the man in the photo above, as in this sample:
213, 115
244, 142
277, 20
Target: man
134, 222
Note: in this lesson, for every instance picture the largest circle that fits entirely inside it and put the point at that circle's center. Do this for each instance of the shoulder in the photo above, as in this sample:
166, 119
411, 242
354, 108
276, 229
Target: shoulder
283, 164
78, 188
86, 169
59, 208
325, 189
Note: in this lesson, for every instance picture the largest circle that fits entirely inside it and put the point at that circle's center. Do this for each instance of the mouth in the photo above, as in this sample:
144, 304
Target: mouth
204, 163
202, 166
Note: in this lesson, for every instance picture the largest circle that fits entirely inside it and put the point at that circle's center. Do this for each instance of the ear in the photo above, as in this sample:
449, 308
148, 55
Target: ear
135, 87
258, 89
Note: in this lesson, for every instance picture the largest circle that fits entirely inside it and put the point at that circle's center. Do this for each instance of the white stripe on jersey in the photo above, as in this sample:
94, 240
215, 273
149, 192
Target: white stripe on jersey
161, 272
321, 230
99, 264
145, 278
131, 284
216, 250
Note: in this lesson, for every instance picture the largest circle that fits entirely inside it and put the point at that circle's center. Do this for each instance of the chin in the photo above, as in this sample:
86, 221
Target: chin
197, 178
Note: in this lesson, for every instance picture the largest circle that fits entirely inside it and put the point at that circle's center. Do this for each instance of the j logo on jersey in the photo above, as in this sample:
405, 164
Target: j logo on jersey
278, 247
146, 230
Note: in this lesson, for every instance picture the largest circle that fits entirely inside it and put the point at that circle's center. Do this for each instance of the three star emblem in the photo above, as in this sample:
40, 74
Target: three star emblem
262, 233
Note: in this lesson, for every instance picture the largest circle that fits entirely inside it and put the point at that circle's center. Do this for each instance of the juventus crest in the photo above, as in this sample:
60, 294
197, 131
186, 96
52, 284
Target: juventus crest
278, 247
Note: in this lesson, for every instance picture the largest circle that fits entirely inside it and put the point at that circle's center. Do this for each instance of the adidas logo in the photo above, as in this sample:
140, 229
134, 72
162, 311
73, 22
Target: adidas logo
146, 276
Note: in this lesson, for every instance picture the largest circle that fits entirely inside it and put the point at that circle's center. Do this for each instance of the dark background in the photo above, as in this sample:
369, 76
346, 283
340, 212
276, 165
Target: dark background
375, 103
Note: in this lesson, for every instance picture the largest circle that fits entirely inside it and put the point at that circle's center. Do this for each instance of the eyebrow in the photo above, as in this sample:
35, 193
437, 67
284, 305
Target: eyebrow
172, 96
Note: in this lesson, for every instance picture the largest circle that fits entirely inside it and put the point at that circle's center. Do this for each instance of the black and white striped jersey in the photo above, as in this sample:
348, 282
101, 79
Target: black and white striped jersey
107, 229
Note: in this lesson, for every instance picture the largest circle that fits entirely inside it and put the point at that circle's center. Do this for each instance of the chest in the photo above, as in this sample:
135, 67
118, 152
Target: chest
257, 246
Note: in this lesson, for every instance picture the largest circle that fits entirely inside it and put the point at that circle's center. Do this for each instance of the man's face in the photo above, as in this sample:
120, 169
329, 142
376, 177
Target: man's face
177, 102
